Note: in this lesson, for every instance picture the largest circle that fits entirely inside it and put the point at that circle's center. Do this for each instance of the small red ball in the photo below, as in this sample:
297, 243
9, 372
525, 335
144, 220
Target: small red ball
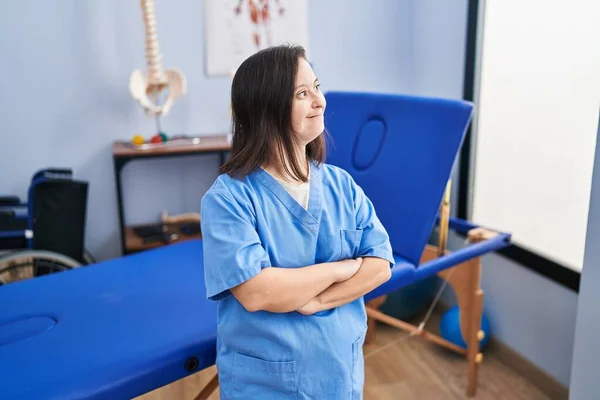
156, 139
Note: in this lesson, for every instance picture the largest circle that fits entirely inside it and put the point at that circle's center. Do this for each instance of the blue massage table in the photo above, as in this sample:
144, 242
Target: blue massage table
124, 327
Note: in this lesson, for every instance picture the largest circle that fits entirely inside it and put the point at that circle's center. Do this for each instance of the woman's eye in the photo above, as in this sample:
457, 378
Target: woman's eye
302, 93
318, 87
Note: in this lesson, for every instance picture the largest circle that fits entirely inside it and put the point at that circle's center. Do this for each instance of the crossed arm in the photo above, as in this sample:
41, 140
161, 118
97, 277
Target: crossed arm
372, 273
312, 288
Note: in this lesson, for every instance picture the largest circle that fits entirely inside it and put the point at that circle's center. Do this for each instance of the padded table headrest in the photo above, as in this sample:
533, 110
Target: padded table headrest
401, 150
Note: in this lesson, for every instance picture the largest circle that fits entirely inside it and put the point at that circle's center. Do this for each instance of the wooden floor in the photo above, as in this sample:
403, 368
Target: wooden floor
398, 367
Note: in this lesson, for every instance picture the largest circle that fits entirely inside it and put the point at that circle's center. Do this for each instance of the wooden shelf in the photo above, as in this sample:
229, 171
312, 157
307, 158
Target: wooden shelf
134, 243
189, 145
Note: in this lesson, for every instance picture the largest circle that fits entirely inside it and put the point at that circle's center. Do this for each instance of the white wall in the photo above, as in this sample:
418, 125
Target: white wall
364, 46
584, 376
439, 41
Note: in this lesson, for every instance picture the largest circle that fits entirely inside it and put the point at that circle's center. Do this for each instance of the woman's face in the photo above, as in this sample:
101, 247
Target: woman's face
308, 105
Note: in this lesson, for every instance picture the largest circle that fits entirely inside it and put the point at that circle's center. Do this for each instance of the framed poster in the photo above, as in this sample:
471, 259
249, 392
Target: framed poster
236, 29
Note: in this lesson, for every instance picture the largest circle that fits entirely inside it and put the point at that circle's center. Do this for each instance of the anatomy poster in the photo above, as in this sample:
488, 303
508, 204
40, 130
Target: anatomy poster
236, 29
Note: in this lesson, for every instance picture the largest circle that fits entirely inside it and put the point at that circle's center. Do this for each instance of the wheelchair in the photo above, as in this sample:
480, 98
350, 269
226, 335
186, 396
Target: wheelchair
45, 234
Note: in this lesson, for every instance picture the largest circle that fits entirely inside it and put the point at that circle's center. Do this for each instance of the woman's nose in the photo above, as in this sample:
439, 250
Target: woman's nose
319, 101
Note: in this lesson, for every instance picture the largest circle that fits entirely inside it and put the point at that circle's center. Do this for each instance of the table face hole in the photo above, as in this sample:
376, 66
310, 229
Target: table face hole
368, 143
191, 364
18, 330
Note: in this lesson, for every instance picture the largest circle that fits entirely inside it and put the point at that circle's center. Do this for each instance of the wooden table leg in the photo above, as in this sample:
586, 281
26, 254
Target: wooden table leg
465, 280
474, 337
210, 387
372, 322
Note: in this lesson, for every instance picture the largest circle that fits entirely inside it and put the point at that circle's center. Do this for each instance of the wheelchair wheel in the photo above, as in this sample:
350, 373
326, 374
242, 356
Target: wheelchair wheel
26, 264
88, 258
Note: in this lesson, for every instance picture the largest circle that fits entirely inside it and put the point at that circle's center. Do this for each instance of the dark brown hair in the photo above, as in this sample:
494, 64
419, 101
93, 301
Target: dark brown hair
262, 92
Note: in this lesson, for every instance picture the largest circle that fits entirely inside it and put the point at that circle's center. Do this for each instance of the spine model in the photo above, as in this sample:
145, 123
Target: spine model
157, 79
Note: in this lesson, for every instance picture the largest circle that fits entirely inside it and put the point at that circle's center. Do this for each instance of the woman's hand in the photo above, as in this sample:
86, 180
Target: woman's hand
345, 269
309, 308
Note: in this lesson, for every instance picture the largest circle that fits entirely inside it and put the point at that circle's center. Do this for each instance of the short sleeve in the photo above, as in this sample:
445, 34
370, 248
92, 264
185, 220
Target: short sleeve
375, 240
232, 250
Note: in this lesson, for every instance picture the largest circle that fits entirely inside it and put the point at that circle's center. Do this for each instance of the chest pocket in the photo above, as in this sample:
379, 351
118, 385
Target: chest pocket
349, 243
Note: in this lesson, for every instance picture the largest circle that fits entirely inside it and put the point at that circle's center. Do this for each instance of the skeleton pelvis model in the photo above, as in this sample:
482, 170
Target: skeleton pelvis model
147, 88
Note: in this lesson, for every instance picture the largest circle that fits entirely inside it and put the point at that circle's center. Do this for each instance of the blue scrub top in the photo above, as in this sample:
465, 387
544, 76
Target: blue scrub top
254, 223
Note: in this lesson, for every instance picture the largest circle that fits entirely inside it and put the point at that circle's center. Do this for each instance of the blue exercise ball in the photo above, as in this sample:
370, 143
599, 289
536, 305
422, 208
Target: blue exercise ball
450, 328
410, 301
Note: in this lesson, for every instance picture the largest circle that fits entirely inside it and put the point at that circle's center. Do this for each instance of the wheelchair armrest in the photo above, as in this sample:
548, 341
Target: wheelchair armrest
7, 216
7, 213
10, 201
12, 223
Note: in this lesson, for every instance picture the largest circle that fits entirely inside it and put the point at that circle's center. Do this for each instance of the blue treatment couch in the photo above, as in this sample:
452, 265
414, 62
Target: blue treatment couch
123, 327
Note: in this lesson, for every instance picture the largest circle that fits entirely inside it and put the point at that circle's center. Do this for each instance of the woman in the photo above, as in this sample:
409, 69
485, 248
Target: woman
291, 244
